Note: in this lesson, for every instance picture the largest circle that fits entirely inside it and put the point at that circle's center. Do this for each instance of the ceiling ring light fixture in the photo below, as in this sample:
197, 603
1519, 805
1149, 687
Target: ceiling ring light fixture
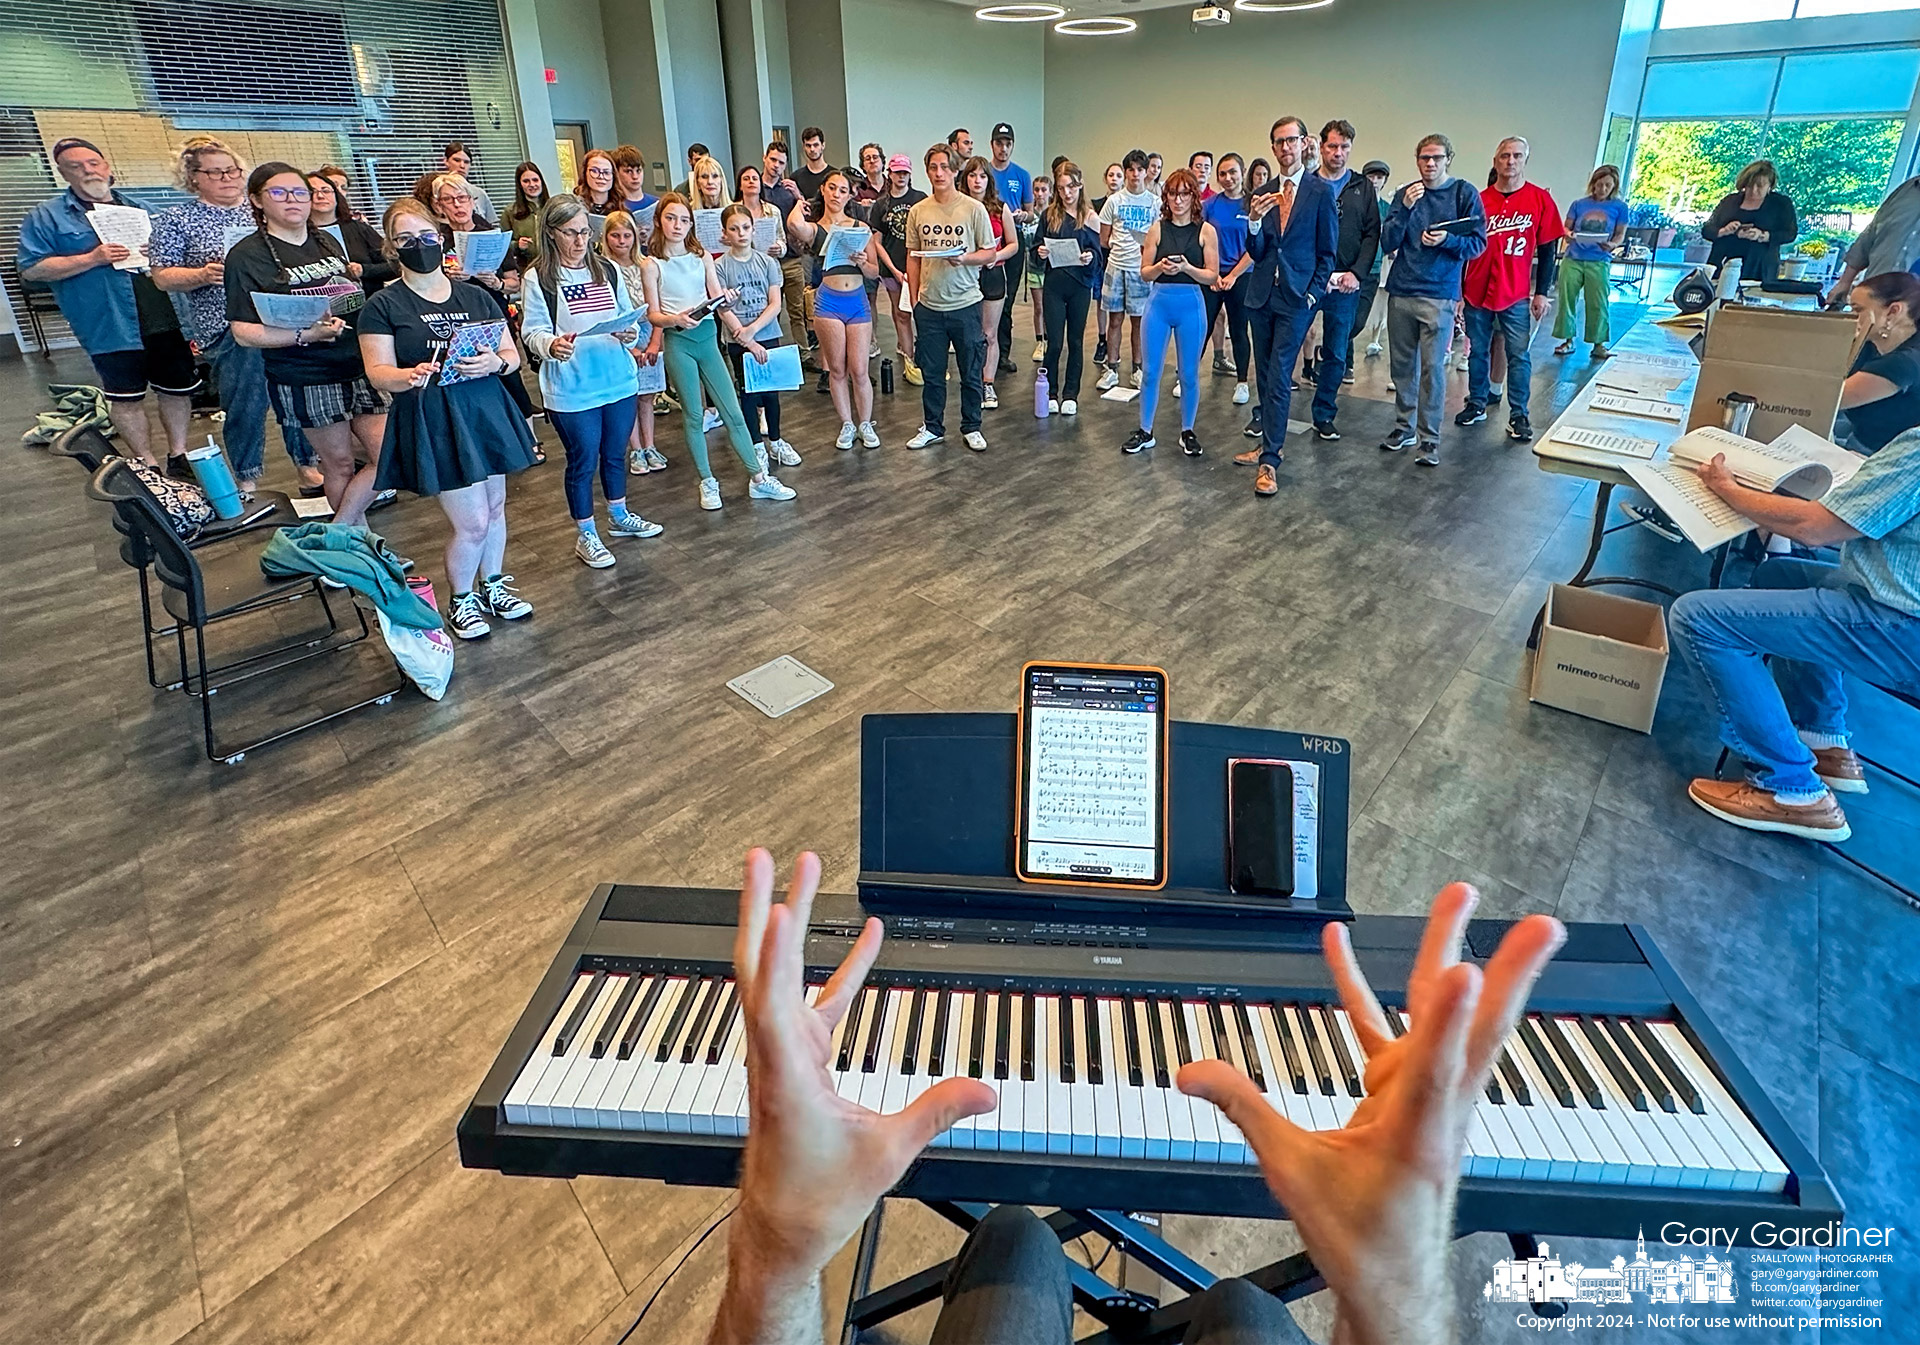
1278, 6
1020, 13
1110, 26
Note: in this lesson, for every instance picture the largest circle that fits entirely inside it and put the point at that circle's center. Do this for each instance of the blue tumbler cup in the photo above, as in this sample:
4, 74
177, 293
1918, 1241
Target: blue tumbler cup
215, 474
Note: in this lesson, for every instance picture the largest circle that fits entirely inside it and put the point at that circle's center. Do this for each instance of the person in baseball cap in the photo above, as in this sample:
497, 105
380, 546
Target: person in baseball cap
1015, 185
889, 219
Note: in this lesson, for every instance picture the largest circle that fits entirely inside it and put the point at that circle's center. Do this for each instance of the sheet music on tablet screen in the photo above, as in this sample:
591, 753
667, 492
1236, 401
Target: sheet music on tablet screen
1093, 758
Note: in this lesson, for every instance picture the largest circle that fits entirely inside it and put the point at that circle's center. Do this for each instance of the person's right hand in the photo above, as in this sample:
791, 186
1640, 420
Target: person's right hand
325, 330
1730, 227
758, 351
1412, 192
422, 374
214, 272
1343, 282
561, 348
1374, 1201
1260, 205
109, 253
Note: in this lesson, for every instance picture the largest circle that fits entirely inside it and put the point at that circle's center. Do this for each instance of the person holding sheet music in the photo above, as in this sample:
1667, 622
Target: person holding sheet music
754, 278
620, 244
587, 378
314, 374
847, 253
681, 287
1596, 225
453, 433
1067, 291
454, 204
953, 239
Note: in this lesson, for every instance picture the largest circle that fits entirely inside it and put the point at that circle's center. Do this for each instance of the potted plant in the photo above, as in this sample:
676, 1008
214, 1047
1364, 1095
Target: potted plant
1653, 215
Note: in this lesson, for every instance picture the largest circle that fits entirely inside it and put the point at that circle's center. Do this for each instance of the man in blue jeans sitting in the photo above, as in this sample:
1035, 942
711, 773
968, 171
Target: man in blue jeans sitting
1817, 622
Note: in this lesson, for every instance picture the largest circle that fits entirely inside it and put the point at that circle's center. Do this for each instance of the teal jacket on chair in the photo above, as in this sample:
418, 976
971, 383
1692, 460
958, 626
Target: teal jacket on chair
353, 556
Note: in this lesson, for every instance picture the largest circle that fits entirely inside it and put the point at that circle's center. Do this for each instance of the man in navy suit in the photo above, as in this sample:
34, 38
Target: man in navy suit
1295, 231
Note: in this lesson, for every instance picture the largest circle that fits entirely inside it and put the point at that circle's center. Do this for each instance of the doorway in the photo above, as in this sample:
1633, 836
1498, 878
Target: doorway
570, 142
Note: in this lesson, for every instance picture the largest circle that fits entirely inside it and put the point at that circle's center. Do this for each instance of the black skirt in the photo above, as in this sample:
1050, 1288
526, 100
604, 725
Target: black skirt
441, 438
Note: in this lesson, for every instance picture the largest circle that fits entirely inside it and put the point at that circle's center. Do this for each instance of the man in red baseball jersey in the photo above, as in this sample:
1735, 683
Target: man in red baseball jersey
1506, 286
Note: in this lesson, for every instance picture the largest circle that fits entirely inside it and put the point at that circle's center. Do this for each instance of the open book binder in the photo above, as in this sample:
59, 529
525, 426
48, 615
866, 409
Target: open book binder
1798, 463
938, 798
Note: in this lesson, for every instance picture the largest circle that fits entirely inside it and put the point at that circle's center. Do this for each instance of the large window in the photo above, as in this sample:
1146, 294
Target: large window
1705, 13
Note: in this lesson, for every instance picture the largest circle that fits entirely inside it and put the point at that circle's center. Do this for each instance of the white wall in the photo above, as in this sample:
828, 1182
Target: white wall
915, 70
575, 46
1475, 70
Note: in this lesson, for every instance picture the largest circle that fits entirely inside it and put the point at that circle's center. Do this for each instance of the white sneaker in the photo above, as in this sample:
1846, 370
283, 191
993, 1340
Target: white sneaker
709, 493
976, 441
1373, 350
632, 525
924, 438
845, 438
769, 487
989, 399
711, 421
1039, 352
869, 437
784, 453
1053, 407
1108, 379
637, 462
1069, 407
592, 551
1139, 377
655, 459
1240, 394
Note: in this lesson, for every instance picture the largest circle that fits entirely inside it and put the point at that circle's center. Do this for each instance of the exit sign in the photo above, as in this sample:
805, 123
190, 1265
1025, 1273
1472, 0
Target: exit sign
553, 76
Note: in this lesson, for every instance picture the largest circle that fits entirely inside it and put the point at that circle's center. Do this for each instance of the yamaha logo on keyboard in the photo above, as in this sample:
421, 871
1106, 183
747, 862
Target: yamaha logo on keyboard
1102, 960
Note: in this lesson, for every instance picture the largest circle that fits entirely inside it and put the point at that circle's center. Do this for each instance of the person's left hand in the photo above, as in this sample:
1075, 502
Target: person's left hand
1537, 306
1433, 238
1717, 477
356, 270
758, 351
815, 1164
479, 364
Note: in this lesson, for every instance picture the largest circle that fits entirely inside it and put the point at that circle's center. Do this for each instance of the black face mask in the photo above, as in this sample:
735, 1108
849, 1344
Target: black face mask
420, 258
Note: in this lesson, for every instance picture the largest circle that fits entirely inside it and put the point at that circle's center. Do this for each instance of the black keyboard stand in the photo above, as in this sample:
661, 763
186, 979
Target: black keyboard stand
1129, 1317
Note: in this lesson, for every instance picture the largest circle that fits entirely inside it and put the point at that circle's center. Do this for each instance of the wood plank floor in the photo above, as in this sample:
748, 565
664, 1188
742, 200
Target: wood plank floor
241, 1008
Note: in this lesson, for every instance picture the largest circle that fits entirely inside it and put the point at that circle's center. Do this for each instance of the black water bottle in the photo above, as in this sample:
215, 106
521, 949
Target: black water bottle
886, 377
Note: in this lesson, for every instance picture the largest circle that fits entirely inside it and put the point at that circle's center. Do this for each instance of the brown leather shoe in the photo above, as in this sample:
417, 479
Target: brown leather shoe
1841, 769
1251, 458
1267, 482
1747, 805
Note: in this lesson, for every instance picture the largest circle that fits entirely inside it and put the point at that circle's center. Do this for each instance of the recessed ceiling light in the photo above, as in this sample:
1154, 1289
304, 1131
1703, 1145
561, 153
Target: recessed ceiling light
1095, 27
1020, 13
1278, 6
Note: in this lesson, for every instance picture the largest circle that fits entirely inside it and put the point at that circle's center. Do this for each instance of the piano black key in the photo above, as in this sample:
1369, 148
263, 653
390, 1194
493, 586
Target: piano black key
937, 1050
641, 1017
678, 1018
1675, 1075
723, 1024
916, 1009
1516, 1081
1494, 1095
1543, 1058
1342, 1058
1157, 1046
976, 1048
1217, 1030
1316, 1054
1135, 1076
1247, 1048
571, 1028
844, 1061
1610, 1060
870, 1049
1026, 1038
618, 1015
1396, 1022
1067, 1051
1583, 1082
1090, 1016
1003, 1032
697, 1032
1296, 1076
1182, 1047
1637, 1061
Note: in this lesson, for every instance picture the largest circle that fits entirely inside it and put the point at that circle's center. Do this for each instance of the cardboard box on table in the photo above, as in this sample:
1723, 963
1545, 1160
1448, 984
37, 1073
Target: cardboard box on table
1601, 656
1792, 361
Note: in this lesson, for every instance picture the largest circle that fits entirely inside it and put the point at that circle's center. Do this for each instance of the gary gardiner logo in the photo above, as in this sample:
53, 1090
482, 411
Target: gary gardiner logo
1546, 1279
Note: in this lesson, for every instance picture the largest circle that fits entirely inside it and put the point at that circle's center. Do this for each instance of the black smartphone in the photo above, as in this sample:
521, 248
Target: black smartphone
1260, 827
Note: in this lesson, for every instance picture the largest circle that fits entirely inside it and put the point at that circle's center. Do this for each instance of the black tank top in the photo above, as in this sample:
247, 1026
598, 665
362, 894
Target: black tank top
1184, 240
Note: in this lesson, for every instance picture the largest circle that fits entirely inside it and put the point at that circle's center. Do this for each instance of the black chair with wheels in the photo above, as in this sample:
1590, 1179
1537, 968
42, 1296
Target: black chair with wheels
198, 594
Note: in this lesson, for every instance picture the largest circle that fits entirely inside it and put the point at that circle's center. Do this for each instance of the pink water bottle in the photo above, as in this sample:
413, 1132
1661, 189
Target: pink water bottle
1040, 394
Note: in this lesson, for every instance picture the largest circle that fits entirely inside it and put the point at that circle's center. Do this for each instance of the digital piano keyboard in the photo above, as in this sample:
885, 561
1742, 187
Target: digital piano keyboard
1614, 1104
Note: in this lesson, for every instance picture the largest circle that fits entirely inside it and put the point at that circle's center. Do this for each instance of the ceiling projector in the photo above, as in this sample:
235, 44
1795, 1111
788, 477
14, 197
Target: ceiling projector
1212, 16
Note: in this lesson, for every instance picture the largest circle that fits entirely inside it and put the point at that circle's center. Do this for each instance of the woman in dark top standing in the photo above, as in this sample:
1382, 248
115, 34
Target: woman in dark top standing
358, 239
523, 216
455, 442
1882, 393
314, 374
1068, 222
1180, 257
1752, 223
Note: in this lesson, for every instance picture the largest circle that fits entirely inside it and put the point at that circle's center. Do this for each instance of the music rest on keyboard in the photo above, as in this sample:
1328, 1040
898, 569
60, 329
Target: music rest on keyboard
1614, 1103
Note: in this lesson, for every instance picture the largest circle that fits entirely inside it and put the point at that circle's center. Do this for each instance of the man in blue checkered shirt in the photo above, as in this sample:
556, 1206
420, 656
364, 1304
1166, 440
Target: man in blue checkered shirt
1817, 622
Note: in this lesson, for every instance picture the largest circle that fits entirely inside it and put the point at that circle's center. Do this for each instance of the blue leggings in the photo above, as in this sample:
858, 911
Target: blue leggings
1179, 311
596, 440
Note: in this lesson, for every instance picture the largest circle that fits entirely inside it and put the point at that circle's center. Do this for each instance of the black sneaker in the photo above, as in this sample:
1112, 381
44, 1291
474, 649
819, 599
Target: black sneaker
820, 386
1397, 443
179, 469
1007, 366
1429, 455
1137, 442
1470, 415
1220, 365
1654, 519
1519, 429
1327, 431
1190, 444
1493, 397
467, 618
1100, 351
1253, 430
1349, 375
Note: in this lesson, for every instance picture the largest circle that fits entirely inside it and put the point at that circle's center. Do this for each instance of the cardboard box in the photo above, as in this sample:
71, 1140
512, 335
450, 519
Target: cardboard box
1601, 656
1792, 360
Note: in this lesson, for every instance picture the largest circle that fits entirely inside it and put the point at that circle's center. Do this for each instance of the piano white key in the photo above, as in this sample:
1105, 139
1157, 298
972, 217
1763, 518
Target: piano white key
917, 1047
633, 1106
606, 1107
1622, 1117
586, 1102
893, 1093
1106, 1094
1345, 1021
1180, 1138
1506, 1154
959, 1044
706, 1099
556, 1103
1013, 1092
1340, 1100
693, 1069
1277, 1088
729, 1107
1555, 1147
1319, 1107
1532, 1149
1727, 1162
1233, 1145
1033, 1115
1600, 1158
986, 1129
1723, 1108
1603, 1123
1084, 1140
1296, 1107
1153, 1100
1205, 1116
873, 1082
1059, 1091
542, 1058
1133, 1124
